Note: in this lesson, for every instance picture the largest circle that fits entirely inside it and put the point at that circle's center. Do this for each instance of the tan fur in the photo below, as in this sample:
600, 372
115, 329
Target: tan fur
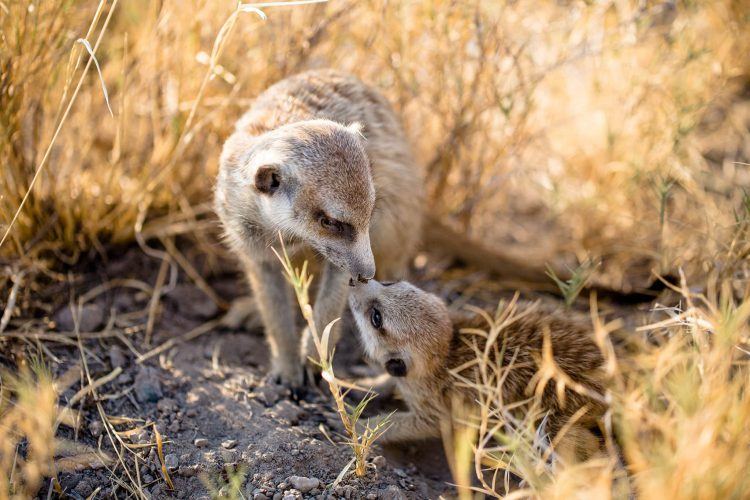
417, 329
337, 147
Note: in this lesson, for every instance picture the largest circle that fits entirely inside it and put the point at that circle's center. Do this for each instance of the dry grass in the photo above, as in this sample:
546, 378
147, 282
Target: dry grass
677, 424
612, 132
360, 437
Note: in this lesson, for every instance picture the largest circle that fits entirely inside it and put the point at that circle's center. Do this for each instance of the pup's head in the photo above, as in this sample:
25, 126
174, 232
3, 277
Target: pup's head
405, 329
312, 181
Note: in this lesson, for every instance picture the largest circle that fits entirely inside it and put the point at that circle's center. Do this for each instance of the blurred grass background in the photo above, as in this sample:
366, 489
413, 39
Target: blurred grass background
613, 130
564, 131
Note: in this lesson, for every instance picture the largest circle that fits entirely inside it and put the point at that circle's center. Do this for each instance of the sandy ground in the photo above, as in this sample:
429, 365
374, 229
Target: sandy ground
209, 400
206, 393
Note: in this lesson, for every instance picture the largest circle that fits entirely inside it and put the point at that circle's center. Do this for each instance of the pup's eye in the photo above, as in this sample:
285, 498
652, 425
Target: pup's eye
376, 318
330, 224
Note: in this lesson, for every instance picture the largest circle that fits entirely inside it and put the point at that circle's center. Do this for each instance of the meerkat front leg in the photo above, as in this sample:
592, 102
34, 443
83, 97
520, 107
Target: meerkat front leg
330, 301
273, 298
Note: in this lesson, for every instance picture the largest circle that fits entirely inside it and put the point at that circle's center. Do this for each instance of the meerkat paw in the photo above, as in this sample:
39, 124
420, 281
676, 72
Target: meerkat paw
242, 312
288, 374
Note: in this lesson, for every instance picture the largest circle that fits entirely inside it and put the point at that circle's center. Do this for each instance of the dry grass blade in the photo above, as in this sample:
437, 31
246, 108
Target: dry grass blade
192, 334
160, 453
360, 438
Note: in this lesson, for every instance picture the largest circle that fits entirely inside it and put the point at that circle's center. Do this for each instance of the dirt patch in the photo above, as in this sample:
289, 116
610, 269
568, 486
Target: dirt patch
208, 398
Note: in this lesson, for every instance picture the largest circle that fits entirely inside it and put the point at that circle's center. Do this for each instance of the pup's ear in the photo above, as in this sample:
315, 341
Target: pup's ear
267, 179
396, 367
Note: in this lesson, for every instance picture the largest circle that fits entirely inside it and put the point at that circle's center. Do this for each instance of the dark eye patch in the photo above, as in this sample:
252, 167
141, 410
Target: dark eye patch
335, 227
396, 367
376, 317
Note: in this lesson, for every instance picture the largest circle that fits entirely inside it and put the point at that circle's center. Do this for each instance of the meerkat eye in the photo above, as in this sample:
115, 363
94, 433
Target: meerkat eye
331, 225
376, 318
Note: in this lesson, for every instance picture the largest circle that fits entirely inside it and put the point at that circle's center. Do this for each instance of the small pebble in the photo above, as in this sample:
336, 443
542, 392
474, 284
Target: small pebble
304, 484
90, 318
201, 442
147, 385
116, 357
229, 456
187, 471
166, 405
171, 461
392, 493
228, 444
96, 428
379, 462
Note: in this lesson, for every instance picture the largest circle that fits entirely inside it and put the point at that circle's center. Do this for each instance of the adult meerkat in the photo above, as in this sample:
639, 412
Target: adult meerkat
322, 158
411, 334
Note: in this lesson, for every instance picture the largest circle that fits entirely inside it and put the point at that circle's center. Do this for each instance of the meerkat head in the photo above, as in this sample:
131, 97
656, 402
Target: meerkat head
311, 180
402, 327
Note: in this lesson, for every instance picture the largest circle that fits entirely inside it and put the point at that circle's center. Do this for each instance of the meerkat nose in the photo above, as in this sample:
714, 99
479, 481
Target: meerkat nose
352, 283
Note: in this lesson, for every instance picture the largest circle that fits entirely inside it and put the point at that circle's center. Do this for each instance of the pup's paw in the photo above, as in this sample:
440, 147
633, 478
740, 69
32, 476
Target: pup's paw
242, 312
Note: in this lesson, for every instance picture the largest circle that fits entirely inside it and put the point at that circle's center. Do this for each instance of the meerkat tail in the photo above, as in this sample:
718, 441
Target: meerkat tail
441, 238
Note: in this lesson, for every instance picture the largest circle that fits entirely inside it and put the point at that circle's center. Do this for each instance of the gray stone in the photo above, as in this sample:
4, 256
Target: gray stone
304, 484
187, 470
96, 428
91, 317
379, 462
391, 493
229, 456
201, 442
167, 405
228, 444
171, 461
147, 385
116, 357
192, 302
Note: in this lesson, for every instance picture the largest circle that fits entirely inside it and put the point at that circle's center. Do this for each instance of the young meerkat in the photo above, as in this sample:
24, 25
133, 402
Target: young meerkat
321, 158
411, 334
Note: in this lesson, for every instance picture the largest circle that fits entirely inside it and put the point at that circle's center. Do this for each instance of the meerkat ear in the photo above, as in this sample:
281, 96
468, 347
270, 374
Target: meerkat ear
357, 128
396, 367
267, 179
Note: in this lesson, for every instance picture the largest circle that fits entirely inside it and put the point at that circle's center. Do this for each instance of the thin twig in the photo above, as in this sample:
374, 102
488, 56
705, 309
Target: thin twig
192, 334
